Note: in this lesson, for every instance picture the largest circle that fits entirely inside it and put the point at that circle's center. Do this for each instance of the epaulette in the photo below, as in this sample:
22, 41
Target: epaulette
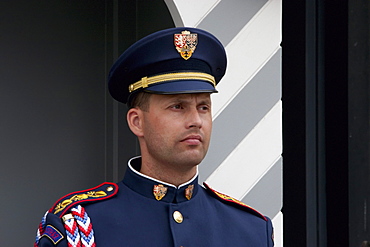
232, 201
101, 192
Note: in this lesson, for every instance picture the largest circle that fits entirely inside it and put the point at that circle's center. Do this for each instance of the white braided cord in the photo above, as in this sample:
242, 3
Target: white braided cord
85, 226
79, 230
73, 235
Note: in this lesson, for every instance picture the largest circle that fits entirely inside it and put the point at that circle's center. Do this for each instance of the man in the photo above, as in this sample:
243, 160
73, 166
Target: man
166, 79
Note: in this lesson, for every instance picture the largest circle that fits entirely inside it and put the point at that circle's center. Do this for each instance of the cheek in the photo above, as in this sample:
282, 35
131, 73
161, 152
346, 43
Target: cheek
207, 123
207, 128
158, 128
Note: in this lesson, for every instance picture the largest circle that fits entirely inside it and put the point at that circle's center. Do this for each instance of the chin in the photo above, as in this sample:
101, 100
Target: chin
189, 158
191, 162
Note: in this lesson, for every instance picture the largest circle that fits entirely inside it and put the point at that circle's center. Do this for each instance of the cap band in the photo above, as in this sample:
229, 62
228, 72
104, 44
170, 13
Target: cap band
146, 81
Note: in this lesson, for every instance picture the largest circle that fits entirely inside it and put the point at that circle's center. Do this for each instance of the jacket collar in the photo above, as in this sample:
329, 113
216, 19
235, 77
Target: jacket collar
145, 185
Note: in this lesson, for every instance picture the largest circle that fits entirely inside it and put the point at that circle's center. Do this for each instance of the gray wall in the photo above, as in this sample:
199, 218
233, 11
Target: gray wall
59, 129
52, 126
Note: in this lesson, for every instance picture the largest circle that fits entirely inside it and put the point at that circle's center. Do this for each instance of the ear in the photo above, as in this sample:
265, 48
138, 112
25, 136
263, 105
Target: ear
134, 120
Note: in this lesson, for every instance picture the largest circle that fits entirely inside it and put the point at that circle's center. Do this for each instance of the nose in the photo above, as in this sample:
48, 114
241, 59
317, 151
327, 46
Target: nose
193, 119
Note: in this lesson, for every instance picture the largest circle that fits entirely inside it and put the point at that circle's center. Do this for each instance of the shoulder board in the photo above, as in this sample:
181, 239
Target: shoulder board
232, 201
102, 192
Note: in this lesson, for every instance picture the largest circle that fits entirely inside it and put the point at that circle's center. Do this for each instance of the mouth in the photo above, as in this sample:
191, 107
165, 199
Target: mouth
192, 139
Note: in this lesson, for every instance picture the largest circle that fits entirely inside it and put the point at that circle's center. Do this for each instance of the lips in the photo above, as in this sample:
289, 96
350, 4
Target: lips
192, 139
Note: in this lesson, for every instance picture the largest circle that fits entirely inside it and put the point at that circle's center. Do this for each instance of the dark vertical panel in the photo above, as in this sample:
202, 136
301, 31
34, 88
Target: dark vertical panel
122, 142
311, 119
321, 226
126, 25
336, 124
108, 141
294, 126
359, 119
315, 124
152, 16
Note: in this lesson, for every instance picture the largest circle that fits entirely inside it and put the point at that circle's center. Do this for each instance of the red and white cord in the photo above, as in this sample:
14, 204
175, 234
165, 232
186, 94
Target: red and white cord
84, 226
78, 226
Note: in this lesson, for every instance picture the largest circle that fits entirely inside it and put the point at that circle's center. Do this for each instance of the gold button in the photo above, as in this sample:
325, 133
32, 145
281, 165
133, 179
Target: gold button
177, 216
110, 188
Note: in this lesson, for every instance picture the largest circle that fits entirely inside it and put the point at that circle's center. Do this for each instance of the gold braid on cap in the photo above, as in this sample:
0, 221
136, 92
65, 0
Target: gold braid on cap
146, 81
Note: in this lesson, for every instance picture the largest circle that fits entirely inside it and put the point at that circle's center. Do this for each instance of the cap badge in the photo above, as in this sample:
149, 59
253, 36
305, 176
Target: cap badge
186, 43
159, 191
189, 191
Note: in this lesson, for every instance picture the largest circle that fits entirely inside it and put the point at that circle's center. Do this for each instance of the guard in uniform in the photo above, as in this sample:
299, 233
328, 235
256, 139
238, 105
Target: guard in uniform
143, 210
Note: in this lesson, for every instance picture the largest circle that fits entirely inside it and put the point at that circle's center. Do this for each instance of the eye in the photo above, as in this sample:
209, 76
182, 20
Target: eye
204, 108
176, 107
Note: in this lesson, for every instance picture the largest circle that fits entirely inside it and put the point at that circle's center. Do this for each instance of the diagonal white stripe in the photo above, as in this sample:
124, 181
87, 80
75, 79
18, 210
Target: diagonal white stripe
248, 52
251, 158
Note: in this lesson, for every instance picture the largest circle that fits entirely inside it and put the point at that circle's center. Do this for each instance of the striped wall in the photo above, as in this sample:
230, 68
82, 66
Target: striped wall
244, 159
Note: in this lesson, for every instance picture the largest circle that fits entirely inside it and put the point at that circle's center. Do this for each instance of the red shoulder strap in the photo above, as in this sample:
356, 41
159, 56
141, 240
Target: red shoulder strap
232, 201
102, 192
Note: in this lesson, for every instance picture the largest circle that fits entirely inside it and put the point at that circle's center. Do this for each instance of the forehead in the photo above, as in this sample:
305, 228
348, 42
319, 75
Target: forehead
199, 98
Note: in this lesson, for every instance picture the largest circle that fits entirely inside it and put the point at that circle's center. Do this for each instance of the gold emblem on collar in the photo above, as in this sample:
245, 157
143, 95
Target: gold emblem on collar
185, 43
189, 191
159, 191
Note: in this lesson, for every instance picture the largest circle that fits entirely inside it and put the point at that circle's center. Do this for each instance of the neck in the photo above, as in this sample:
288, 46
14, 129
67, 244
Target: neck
167, 173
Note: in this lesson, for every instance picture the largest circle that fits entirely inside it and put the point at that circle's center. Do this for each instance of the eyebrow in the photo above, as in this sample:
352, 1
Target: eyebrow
205, 102
184, 99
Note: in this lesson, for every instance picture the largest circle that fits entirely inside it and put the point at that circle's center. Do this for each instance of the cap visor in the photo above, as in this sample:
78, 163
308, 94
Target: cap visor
183, 86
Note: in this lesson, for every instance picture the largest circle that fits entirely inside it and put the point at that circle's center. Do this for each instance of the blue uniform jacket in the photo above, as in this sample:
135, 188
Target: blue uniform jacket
134, 217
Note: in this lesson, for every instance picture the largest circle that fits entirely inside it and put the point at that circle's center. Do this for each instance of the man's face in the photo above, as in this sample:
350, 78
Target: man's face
177, 129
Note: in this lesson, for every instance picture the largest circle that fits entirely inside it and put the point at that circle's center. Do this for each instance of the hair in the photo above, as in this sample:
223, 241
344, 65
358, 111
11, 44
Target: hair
141, 100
